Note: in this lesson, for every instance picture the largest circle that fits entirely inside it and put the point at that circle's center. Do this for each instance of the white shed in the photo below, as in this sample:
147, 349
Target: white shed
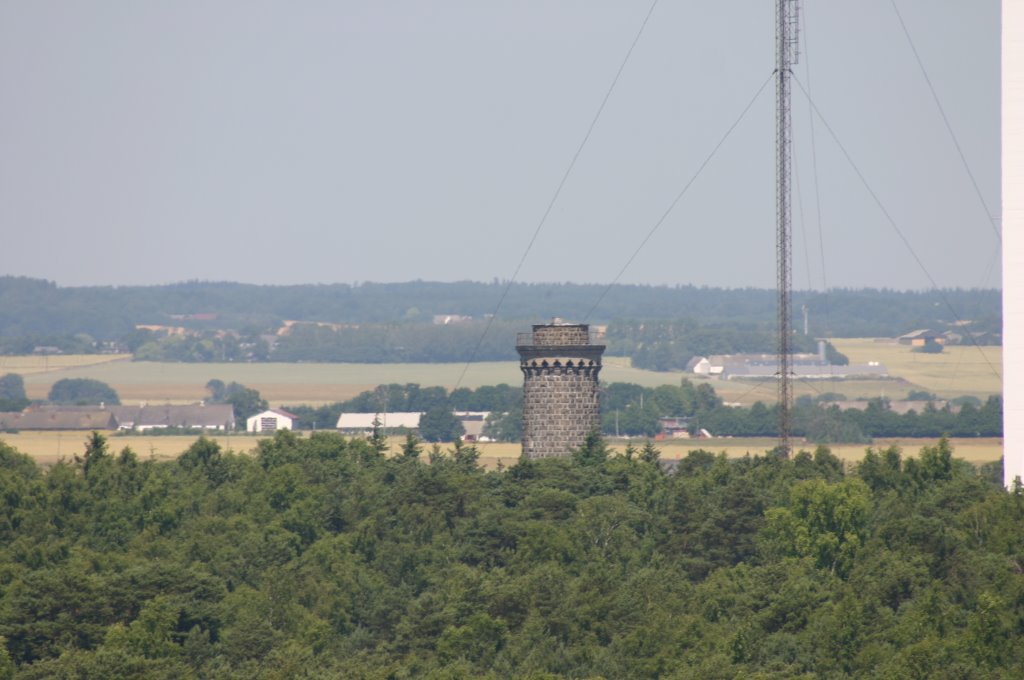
271, 420
699, 365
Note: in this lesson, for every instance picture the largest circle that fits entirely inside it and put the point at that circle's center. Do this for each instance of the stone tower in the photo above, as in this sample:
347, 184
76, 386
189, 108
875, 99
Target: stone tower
560, 390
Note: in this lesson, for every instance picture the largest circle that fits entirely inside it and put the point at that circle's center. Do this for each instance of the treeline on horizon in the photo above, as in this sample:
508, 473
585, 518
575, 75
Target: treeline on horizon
627, 409
319, 557
40, 309
660, 346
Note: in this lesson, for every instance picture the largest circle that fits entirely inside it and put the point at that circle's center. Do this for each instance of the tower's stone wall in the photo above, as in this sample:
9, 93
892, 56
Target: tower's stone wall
560, 388
561, 334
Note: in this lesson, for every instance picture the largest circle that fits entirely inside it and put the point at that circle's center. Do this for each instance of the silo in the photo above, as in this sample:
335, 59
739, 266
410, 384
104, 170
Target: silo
560, 367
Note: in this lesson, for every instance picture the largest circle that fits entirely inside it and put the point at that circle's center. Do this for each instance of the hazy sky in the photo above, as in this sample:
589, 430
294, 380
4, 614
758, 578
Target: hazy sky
387, 140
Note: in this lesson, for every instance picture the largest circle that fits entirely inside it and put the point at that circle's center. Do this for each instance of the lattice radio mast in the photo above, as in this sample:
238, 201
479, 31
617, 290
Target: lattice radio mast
786, 53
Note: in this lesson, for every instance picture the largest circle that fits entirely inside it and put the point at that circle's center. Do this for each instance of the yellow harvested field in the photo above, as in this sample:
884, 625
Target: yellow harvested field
32, 364
958, 370
974, 450
299, 383
48, 447
746, 392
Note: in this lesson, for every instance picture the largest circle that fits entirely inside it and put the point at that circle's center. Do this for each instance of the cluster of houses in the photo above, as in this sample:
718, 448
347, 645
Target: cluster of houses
210, 418
925, 336
678, 427
364, 423
141, 418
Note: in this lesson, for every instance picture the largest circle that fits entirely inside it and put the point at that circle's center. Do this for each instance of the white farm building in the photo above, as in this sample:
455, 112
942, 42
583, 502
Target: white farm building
271, 420
363, 422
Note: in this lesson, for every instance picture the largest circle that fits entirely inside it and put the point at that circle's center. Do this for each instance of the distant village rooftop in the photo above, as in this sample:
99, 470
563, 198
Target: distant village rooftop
216, 417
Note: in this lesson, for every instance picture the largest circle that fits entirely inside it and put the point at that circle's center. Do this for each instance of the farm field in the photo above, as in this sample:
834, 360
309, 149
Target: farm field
959, 370
972, 450
32, 364
746, 392
48, 447
298, 383
982, 450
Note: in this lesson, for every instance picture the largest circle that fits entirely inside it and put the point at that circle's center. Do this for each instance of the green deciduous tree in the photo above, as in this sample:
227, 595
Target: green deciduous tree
505, 426
245, 401
82, 391
439, 424
217, 389
822, 521
12, 392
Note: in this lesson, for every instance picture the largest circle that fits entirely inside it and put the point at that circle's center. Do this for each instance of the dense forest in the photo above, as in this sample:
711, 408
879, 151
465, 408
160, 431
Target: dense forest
318, 557
660, 346
669, 345
37, 313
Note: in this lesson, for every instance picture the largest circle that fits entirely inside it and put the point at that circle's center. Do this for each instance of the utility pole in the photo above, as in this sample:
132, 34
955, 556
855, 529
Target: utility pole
786, 29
